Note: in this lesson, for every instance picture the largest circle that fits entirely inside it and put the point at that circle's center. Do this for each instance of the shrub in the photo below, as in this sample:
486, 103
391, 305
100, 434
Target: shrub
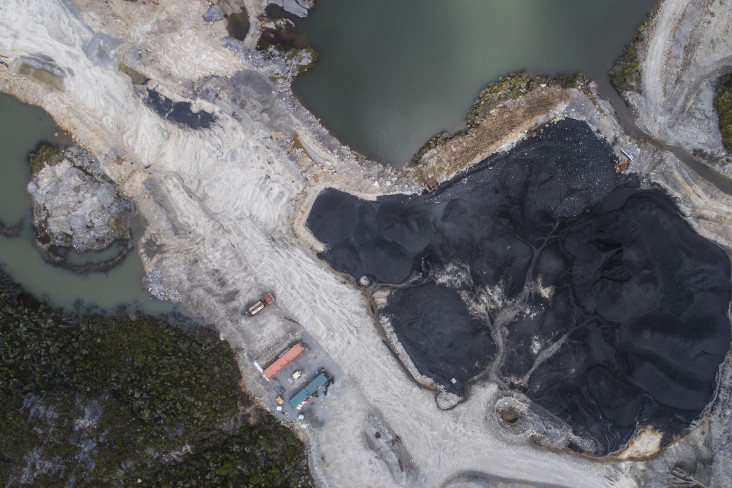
723, 106
159, 388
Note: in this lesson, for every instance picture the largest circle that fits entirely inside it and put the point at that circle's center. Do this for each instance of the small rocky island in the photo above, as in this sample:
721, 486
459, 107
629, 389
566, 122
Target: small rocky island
75, 204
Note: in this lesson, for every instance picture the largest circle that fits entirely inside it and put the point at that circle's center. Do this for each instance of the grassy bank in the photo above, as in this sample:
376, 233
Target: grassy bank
508, 87
114, 401
723, 106
625, 75
513, 86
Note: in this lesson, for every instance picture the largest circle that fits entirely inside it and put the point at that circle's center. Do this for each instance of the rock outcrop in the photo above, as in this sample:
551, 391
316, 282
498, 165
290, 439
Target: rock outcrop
214, 14
296, 7
74, 203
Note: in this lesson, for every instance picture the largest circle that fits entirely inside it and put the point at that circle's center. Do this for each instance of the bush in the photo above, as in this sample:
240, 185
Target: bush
508, 87
513, 85
43, 155
625, 75
159, 389
723, 106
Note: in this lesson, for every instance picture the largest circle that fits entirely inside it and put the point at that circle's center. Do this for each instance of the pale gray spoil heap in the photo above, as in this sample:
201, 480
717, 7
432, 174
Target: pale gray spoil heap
75, 204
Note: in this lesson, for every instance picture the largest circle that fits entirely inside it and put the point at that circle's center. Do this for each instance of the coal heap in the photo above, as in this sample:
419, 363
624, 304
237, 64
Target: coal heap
637, 300
179, 112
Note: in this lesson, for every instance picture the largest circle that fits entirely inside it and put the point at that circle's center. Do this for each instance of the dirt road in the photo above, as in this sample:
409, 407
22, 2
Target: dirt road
688, 49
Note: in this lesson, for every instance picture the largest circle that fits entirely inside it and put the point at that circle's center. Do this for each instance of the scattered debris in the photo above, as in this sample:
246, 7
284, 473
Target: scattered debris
622, 167
628, 154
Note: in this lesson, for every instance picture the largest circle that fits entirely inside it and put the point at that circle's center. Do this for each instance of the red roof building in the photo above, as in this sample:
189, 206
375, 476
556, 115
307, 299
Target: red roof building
283, 360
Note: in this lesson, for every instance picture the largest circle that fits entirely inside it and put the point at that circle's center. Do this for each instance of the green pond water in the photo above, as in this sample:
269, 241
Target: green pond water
22, 127
393, 73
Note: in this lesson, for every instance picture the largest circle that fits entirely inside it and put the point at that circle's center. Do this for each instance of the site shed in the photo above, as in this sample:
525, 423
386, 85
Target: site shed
283, 360
303, 395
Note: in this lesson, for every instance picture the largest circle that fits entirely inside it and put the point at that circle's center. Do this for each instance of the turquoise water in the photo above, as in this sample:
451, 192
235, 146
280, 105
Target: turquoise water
393, 73
22, 127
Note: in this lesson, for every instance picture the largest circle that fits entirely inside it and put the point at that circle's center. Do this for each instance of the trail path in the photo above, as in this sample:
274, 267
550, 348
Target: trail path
688, 49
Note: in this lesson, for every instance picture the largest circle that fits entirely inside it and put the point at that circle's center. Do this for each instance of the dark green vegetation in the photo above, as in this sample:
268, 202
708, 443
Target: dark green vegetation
304, 68
625, 74
723, 106
43, 154
108, 401
511, 86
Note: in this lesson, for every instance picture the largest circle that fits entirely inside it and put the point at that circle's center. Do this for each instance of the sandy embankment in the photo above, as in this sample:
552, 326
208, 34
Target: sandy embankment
220, 205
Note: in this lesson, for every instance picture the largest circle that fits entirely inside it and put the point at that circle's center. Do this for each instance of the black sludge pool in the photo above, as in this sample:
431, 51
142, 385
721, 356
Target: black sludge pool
550, 243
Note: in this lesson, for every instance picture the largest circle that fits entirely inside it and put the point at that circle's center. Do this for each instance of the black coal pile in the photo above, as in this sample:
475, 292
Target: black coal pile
637, 300
179, 112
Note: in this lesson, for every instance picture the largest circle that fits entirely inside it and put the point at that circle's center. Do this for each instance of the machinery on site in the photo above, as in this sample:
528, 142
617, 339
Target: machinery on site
628, 154
260, 304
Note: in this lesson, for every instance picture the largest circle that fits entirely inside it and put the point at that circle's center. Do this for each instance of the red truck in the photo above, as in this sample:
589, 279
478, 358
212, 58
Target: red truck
260, 304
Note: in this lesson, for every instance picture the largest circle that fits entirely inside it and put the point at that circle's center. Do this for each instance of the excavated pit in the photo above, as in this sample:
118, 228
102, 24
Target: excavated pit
614, 311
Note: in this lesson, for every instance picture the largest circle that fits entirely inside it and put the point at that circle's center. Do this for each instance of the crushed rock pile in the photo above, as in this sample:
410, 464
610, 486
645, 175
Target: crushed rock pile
74, 203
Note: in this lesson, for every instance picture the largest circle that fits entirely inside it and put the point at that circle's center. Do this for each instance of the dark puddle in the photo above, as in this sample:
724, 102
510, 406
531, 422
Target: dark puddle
639, 299
179, 112
237, 25
279, 30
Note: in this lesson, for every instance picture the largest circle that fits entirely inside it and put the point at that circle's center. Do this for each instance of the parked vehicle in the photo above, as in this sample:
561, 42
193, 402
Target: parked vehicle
260, 304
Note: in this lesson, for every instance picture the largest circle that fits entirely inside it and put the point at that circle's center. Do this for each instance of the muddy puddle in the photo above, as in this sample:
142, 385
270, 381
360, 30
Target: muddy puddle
237, 25
614, 309
22, 127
